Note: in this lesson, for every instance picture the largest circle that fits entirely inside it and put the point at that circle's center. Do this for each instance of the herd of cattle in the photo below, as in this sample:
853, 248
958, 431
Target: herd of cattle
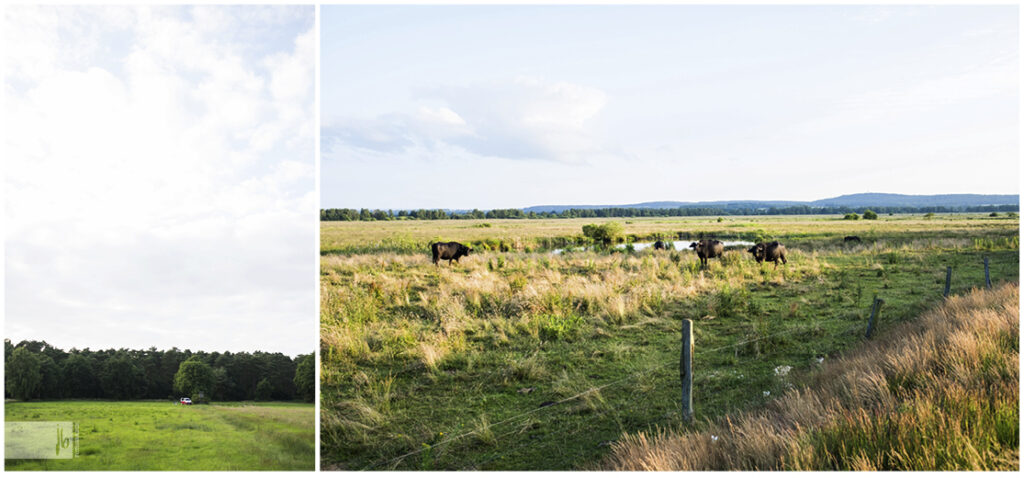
705, 249
763, 251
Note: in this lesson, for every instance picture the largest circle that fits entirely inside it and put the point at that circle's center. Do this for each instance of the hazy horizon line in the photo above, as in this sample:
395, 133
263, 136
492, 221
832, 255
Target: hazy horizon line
626, 204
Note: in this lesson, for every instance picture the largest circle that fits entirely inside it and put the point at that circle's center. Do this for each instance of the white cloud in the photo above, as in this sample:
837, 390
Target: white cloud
524, 118
164, 181
441, 115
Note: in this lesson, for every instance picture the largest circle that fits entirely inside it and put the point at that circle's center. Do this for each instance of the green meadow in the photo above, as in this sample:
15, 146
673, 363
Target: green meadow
163, 435
518, 358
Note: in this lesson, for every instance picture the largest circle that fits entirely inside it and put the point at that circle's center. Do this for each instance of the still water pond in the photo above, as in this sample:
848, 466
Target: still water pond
679, 245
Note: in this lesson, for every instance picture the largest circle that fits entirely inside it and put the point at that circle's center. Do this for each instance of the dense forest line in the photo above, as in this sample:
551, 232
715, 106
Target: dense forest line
390, 215
37, 370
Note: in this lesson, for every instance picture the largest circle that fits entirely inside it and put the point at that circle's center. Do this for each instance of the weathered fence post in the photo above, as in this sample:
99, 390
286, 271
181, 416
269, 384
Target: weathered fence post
686, 371
876, 303
949, 274
988, 282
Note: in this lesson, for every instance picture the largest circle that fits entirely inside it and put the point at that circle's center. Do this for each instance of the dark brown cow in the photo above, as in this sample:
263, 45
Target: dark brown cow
707, 249
771, 252
450, 251
851, 239
658, 245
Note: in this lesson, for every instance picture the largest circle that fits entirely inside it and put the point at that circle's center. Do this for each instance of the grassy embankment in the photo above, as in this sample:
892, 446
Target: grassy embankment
938, 393
146, 435
529, 360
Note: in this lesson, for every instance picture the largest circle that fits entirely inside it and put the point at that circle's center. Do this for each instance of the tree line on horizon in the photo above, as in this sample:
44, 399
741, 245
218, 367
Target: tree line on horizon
344, 214
38, 370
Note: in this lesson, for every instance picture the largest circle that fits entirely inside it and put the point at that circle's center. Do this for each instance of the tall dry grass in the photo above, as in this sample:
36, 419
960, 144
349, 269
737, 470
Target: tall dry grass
938, 393
410, 236
383, 307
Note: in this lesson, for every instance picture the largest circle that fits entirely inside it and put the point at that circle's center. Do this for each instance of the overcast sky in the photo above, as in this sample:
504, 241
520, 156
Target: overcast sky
160, 183
497, 106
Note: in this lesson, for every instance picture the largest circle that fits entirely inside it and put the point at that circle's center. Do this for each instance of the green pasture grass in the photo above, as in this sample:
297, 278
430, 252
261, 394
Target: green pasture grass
530, 360
940, 392
249, 403
163, 435
414, 236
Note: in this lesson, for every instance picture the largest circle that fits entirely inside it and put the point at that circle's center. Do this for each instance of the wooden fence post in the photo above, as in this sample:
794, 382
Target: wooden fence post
949, 274
876, 304
988, 282
686, 371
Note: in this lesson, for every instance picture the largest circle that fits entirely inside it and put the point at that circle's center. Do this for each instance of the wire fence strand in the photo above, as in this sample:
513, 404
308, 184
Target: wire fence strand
552, 405
591, 390
648, 424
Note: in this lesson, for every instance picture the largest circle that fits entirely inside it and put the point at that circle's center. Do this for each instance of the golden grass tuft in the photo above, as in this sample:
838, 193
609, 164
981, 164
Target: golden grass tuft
382, 306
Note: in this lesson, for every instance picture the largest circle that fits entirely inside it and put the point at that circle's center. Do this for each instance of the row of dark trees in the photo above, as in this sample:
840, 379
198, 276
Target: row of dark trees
390, 215
35, 369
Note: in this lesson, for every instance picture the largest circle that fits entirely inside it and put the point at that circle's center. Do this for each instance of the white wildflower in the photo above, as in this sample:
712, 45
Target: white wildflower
714, 438
821, 359
766, 393
782, 370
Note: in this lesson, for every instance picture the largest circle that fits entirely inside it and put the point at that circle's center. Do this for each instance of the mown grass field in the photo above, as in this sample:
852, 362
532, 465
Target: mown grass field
526, 359
146, 435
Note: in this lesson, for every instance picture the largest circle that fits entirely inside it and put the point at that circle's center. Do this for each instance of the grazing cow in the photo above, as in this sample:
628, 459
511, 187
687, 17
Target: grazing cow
658, 245
450, 251
707, 249
771, 252
851, 239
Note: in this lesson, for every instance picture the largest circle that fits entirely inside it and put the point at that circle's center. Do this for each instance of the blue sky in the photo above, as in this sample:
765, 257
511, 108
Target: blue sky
160, 177
512, 106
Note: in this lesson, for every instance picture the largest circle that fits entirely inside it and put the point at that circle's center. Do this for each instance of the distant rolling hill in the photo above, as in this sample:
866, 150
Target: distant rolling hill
848, 200
906, 200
